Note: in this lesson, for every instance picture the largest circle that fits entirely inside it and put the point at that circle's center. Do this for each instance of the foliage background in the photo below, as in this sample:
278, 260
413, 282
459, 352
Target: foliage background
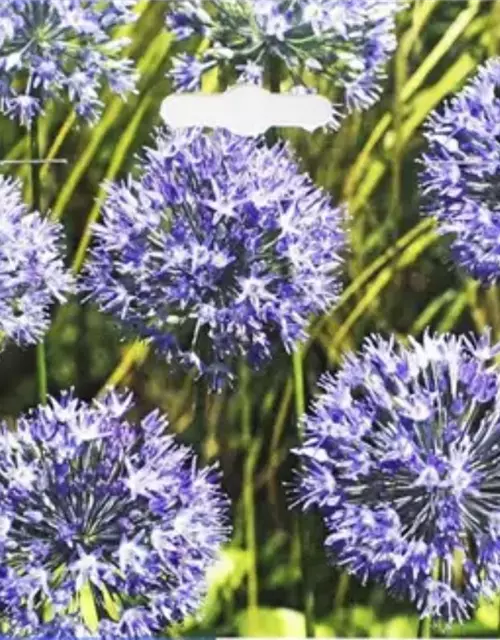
398, 279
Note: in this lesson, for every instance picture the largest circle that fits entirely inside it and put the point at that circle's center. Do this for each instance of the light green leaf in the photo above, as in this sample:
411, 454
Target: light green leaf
88, 607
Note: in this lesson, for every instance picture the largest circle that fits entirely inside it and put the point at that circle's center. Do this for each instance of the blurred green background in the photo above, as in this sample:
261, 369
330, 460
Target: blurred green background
398, 279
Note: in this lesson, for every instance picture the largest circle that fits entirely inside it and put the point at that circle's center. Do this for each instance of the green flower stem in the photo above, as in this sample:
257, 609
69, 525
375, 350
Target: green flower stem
249, 491
424, 627
36, 199
273, 83
41, 371
304, 534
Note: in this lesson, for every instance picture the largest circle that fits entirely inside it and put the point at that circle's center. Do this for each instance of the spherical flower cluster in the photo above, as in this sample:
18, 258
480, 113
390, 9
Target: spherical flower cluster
32, 273
461, 174
54, 47
345, 41
221, 249
401, 455
98, 510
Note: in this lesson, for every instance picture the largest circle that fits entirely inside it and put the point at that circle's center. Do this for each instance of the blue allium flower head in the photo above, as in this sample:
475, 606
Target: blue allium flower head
461, 173
221, 249
401, 455
90, 503
346, 41
50, 48
32, 272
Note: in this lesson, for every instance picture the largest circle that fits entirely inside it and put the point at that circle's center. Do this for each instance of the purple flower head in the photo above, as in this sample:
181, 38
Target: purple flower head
221, 249
401, 455
345, 41
92, 505
32, 273
67, 627
50, 48
461, 174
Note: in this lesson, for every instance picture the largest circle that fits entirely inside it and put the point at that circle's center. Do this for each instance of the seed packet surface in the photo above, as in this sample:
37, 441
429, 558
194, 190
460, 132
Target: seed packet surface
249, 318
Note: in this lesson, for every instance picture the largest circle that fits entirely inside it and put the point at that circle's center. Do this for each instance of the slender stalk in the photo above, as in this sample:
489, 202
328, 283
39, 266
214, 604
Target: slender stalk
36, 188
249, 491
134, 355
273, 82
304, 534
342, 590
202, 422
274, 75
57, 144
41, 372
400, 77
36, 199
200, 406
298, 377
424, 627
